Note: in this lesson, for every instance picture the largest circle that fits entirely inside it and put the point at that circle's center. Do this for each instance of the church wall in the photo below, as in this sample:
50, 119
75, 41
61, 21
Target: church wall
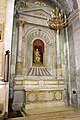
74, 48
72, 64
2, 11
70, 59
2, 24
78, 1
64, 62
76, 30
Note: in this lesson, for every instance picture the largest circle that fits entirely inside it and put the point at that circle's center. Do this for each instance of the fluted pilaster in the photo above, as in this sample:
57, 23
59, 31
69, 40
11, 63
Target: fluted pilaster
58, 65
19, 53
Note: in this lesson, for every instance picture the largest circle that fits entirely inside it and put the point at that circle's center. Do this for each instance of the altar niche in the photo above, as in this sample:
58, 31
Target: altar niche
38, 50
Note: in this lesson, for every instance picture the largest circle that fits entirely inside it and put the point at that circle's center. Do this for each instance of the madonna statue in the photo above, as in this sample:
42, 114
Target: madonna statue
37, 56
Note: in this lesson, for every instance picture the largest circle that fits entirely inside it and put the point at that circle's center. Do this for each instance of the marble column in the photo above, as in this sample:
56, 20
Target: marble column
58, 66
8, 39
19, 51
8, 25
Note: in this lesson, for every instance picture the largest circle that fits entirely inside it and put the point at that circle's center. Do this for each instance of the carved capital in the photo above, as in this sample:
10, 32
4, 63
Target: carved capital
23, 5
19, 68
20, 23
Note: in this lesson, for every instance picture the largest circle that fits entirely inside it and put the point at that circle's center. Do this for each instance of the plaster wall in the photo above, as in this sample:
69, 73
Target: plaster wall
2, 22
76, 30
74, 48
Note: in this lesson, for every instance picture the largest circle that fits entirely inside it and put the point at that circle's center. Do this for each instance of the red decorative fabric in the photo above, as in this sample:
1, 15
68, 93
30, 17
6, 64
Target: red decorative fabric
39, 44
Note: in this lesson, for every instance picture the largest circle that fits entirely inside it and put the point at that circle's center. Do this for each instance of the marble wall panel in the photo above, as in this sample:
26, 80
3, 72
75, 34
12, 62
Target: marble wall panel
18, 99
44, 96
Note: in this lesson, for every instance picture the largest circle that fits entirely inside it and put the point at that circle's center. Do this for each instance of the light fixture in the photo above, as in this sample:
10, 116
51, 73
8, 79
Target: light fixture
58, 19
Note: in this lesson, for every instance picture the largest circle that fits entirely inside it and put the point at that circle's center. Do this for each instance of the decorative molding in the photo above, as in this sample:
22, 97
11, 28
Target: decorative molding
37, 82
40, 14
36, 16
31, 11
40, 3
40, 33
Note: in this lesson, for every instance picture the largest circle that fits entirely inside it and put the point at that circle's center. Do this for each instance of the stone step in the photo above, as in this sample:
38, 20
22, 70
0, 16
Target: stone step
67, 117
19, 118
51, 116
73, 114
38, 71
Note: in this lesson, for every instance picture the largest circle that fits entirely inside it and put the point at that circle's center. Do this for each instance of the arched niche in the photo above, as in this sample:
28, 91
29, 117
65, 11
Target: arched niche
38, 50
46, 40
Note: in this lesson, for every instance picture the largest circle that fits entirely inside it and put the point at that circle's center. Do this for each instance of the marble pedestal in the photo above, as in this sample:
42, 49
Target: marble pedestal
43, 97
36, 92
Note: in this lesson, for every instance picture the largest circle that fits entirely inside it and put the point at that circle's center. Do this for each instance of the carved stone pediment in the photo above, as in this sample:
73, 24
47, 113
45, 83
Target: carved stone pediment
37, 12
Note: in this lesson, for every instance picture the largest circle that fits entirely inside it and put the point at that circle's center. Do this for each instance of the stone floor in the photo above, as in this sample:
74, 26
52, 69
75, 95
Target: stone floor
52, 113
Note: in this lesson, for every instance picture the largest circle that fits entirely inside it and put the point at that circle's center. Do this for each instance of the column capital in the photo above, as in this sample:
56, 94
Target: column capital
20, 22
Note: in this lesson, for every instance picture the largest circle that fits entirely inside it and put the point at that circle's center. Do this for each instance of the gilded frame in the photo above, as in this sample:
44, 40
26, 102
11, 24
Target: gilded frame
1, 31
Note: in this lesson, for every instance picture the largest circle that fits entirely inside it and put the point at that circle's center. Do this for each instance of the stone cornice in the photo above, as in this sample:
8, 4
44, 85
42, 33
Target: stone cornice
37, 12
33, 20
36, 16
25, 14
37, 9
